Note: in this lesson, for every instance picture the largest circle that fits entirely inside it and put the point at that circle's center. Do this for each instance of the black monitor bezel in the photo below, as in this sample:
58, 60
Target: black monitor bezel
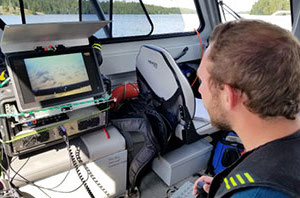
20, 87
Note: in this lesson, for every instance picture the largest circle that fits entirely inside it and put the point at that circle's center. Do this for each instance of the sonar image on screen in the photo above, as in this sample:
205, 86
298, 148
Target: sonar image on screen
57, 76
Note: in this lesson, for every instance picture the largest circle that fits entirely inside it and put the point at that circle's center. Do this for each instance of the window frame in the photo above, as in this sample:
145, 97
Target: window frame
156, 36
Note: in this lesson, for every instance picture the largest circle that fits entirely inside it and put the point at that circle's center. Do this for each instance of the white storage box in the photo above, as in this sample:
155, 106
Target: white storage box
182, 162
106, 158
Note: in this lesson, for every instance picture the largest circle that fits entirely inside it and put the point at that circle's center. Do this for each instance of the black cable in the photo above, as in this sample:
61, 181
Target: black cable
62, 130
24, 179
10, 192
77, 154
12, 187
49, 189
64, 179
12, 179
42, 187
170, 191
52, 189
43, 191
76, 166
2, 157
8, 164
27, 180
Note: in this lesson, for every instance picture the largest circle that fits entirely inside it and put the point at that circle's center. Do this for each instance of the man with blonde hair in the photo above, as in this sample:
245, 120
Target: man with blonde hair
250, 83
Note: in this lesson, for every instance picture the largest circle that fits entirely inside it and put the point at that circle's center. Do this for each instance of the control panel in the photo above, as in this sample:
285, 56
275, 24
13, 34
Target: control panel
29, 134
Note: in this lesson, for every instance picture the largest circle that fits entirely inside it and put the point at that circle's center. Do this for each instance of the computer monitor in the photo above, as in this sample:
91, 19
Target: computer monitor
43, 79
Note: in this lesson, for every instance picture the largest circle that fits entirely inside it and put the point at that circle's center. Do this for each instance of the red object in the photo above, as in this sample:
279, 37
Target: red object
123, 92
106, 133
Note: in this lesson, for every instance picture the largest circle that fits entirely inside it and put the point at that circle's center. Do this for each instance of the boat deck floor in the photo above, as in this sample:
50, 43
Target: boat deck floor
152, 186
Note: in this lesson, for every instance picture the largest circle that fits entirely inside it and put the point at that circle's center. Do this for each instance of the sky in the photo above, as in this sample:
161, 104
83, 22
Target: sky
240, 5
236, 5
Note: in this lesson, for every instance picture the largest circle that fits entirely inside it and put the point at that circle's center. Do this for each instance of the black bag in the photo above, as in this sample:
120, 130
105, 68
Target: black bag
146, 136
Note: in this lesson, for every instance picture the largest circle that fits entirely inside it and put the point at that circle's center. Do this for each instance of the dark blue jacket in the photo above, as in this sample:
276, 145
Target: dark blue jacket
275, 165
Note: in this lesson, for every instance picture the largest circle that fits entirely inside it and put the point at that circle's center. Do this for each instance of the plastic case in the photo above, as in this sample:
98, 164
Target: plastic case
182, 162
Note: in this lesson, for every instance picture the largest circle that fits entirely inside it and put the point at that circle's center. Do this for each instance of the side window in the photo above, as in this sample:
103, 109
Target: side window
173, 16
273, 11
10, 12
46, 11
50, 11
37, 11
176, 16
100, 12
129, 19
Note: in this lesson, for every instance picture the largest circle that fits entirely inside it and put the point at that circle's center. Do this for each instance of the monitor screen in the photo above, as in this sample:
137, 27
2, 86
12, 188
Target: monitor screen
57, 76
52, 78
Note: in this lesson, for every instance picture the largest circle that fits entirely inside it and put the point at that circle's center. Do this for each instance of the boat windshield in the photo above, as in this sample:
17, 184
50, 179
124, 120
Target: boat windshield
129, 18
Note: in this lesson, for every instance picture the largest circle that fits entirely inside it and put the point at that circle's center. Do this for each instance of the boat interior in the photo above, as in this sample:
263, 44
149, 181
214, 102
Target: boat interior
99, 98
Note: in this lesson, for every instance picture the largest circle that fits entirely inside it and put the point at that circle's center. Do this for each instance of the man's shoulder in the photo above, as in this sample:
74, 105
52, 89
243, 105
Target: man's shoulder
259, 192
265, 167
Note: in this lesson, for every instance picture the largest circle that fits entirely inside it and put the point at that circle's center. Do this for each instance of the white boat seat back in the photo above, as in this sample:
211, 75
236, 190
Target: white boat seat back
164, 76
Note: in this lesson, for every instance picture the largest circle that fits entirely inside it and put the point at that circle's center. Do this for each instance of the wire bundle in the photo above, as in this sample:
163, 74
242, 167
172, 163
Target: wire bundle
77, 154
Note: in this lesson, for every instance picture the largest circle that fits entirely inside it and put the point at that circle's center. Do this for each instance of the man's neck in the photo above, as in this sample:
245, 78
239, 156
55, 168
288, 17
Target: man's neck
255, 131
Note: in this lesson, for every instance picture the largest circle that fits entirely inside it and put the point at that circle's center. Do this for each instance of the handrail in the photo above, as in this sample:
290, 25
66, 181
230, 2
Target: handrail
229, 10
80, 9
101, 16
148, 17
2, 24
22, 11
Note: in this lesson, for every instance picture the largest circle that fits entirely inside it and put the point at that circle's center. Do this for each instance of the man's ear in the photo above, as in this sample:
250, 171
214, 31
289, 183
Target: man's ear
231, 96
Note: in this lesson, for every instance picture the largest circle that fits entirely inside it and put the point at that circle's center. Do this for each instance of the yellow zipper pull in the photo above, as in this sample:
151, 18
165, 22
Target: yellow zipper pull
2, 78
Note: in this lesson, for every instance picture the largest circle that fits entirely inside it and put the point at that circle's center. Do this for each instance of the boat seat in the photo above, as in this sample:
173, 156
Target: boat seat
164, 77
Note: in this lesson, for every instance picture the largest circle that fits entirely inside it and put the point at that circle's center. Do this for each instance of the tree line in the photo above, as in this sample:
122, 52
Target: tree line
71, 7
268, 7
